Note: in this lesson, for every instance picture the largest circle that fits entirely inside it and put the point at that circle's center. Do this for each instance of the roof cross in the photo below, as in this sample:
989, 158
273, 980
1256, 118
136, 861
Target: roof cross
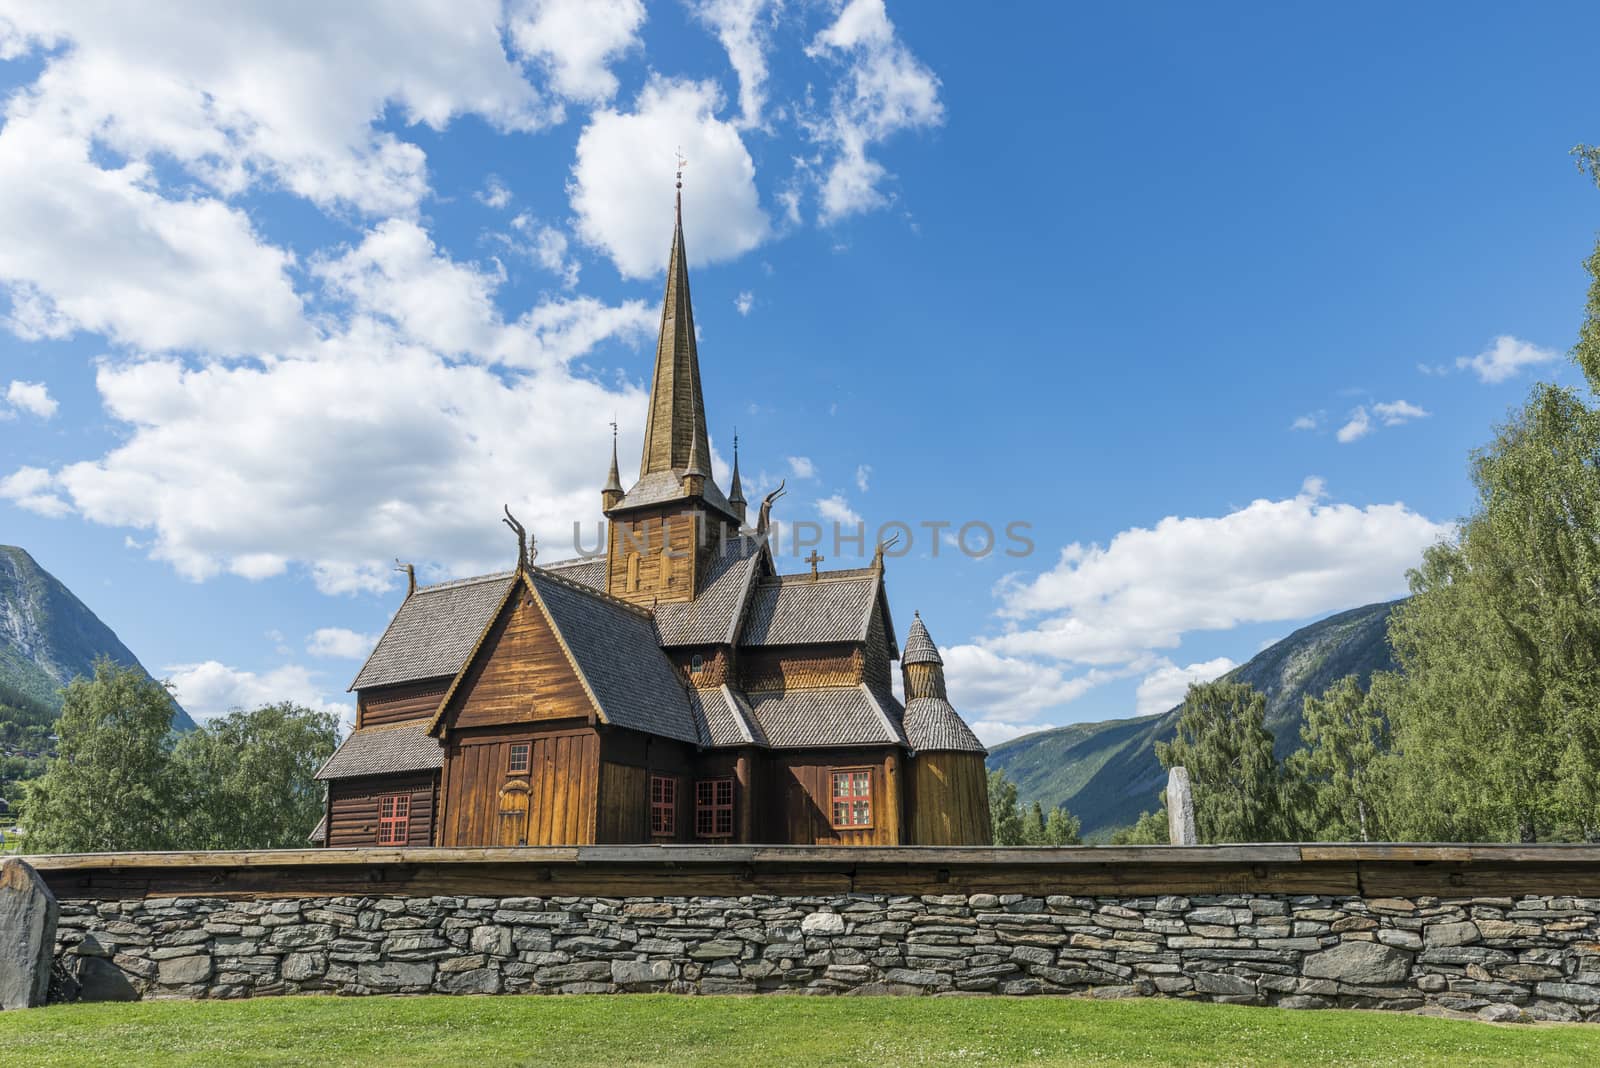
814, 560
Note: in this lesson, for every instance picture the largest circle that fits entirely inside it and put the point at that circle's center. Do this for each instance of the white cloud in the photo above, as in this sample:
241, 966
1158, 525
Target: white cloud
744, 302
1397, 413
576, 41
1269, 561
836, 509
622, 180
1307, 422
210, 689
545, 246
1010, 693
1505, 358
1358, 427
738, 26
863, 476
340, 643
1165, 687
494, 193
802, 467
33, 488
884, 89
32, 397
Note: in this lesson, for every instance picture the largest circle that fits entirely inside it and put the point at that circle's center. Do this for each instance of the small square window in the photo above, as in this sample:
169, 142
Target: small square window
517, 762
852, 798
713, 808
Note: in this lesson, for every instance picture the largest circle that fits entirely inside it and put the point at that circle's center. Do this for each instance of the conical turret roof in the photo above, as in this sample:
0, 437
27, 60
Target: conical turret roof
919, 645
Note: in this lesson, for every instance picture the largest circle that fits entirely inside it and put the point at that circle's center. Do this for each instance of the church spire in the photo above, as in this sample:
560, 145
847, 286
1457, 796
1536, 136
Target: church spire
675, 429
611, 493
735, 490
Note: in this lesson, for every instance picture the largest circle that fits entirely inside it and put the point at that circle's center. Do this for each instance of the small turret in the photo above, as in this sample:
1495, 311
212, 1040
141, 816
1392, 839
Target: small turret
921, 664
735, 490
611, 494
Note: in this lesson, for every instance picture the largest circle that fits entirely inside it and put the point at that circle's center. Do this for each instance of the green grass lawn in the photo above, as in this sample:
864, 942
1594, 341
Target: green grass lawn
794, 1032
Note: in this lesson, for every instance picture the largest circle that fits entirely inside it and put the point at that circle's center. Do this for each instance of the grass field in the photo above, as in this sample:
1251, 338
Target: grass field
794, 1032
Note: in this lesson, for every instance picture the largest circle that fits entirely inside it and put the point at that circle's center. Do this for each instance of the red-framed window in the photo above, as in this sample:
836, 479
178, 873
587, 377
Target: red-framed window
852, 797
517, 760
394, 819
663, 804
713, 808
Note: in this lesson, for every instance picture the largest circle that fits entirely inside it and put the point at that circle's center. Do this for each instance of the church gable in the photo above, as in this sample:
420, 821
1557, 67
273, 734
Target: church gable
519, 673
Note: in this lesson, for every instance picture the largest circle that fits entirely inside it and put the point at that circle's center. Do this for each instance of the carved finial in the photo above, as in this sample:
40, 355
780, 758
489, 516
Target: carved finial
682, 163
883, 546
411, 575
522, 536
764, 519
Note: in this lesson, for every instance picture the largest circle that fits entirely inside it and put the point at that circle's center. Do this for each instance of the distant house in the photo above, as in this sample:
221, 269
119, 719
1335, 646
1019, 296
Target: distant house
675, 689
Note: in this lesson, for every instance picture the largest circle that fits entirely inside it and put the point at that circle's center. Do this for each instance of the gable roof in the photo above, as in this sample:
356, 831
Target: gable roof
931, 723
830, 716
713, 617
724, 718
435, 629
384, 750
614, 647
836, 606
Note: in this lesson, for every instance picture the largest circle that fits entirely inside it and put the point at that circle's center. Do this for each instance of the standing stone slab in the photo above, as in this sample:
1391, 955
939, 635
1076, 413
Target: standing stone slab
28, 914
1180, 808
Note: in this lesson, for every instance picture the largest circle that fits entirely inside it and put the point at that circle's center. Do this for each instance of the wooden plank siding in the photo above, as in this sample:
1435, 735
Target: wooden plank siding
353, 808
801, 667
396, 704
520, 674
625, 798
716, 665
948, 800
799, 798
648, 537
553, 803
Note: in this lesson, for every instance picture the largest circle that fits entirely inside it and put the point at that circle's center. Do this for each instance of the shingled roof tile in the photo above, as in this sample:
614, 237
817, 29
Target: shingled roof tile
385, 751
931, 723
831, 716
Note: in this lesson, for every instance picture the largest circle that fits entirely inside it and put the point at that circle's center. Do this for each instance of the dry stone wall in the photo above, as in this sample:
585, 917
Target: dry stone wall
1532, 958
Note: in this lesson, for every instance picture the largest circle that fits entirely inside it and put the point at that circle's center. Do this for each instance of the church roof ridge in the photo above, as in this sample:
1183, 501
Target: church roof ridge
600, 595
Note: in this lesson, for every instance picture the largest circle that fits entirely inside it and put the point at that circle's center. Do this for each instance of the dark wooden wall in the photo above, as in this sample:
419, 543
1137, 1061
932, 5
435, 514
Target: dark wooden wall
393, 704
520, 674
716, 667
353, 806
798, 798
554, 803
800, 667
948, 802
649, 534
628, 759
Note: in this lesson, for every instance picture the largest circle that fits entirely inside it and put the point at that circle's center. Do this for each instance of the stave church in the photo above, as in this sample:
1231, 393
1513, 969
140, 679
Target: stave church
677, 689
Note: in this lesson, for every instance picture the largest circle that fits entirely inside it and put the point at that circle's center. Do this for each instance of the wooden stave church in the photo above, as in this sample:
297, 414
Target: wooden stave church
675, 690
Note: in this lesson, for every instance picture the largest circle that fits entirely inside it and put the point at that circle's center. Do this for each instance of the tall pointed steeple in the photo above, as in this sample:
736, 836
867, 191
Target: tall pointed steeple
735, 490
676, 425
611, 493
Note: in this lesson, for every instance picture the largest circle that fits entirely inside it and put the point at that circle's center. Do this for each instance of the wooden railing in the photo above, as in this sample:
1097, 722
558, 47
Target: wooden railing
662, 871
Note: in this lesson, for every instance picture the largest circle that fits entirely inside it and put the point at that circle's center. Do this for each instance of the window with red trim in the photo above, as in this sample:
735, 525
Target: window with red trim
517, 762
663, 804
852, 797
713, 808
394, 819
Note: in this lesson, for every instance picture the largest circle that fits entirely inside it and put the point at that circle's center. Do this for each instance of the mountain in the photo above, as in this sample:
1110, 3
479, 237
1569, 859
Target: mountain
1107, 773
48, 637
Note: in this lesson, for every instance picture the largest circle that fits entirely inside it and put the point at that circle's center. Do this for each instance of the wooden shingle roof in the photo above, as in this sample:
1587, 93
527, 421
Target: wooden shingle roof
828, 716
836, 606
931, 723
713, 617
384, 751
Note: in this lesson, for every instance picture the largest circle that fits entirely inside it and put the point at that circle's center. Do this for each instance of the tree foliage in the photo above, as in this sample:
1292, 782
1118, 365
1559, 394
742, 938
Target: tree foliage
1336, 777
109, 786
247, 777
1223, 740
1151, 828
1017, 825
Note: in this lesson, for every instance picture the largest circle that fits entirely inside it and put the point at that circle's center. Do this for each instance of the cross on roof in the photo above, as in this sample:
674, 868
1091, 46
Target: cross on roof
814, 560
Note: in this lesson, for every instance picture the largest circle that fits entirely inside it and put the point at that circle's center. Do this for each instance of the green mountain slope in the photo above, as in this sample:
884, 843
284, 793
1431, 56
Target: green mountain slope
1107, 773
48, 637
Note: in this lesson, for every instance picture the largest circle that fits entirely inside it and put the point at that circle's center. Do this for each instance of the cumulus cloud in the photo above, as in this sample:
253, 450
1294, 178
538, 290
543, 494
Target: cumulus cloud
1165, 687
544, 245
742, 26
33, 488
884, 89
1004, 696
622, 180
494, 193
744, 302
863, 476
576, 41
1307, 422
1396, 413
209, 689
340, 643
31, 397
1271, 560
836, 509
1505, 358
802, 467
1357, 427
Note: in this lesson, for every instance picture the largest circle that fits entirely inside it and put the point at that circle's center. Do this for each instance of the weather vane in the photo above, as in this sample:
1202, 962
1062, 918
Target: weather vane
682, 163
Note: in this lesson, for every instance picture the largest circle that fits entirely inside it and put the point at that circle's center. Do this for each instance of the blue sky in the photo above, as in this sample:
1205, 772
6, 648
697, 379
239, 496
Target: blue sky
287, 295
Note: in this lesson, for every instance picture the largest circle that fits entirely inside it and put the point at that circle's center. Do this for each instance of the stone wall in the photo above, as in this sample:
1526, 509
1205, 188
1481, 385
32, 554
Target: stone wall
1531, 957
